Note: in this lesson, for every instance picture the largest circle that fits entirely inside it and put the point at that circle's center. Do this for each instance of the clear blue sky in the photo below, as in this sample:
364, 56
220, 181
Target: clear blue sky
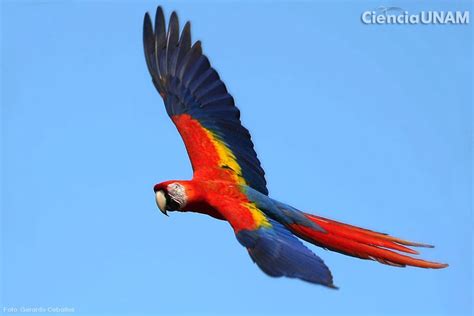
370, 125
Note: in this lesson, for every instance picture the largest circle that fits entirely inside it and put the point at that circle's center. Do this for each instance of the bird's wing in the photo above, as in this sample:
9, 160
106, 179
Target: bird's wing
270, 244
279, 253
198, 103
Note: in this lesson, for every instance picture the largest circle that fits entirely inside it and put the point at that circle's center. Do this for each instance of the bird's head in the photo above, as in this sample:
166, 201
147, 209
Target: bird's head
170, 196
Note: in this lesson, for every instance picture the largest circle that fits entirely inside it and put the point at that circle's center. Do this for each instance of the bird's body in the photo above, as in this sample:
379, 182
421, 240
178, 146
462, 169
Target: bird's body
228, 181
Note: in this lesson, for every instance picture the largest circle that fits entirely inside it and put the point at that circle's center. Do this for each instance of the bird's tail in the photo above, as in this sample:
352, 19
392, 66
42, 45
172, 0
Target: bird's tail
362, 243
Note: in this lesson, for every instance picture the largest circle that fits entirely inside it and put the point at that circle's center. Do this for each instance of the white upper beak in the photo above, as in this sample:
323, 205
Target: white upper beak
161, 201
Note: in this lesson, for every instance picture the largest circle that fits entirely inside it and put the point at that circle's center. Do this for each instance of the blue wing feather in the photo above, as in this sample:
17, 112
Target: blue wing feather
278, 253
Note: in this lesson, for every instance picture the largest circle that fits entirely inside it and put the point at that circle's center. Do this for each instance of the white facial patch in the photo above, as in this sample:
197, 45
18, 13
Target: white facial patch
177, 193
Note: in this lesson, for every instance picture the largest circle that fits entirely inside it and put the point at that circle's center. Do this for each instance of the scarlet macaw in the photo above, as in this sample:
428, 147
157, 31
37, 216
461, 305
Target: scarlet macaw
228, 182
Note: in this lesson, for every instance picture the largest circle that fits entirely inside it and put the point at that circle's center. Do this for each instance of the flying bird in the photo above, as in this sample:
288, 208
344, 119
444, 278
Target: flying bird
228, 181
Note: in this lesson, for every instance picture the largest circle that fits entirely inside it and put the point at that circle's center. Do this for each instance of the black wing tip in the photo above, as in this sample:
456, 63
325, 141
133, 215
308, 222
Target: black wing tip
186, 28
159, 10
174, 15
173, 24
146, 20
332, 286
159, 22
147, 33
147, 16
186, 33
198, 45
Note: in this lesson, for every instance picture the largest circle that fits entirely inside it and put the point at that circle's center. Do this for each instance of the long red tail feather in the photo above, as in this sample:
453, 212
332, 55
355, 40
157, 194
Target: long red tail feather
362, 243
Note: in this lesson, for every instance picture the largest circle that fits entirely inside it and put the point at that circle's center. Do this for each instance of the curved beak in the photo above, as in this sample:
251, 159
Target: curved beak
161, 201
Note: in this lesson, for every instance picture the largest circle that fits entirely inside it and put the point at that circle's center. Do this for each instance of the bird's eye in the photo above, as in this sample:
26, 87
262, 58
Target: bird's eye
161, 201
